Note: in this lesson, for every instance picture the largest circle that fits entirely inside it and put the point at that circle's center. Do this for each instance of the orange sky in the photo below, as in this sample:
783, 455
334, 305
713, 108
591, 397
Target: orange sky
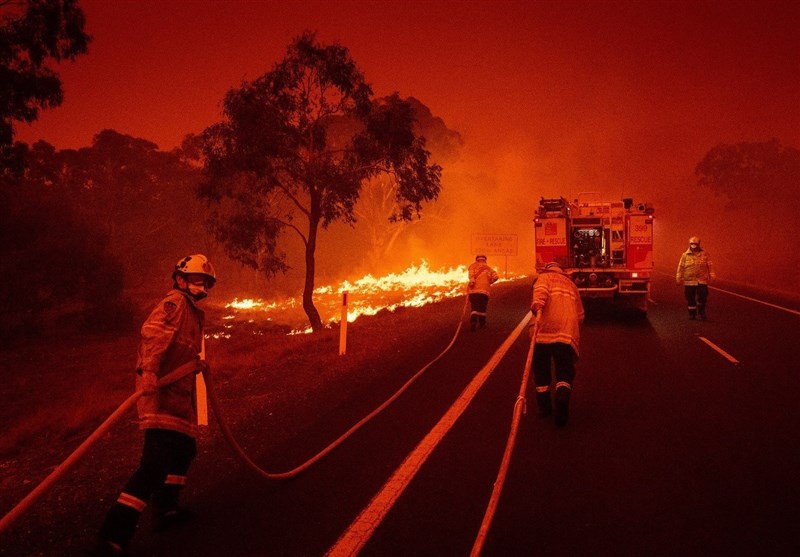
555, 74
551, 97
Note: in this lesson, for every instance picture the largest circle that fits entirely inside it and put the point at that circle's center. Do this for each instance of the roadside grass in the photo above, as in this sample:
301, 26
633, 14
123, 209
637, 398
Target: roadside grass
60, 388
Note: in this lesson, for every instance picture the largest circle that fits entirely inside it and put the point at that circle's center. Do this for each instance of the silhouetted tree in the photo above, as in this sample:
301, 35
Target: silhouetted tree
142, 199
377, 207
273, 161
750, 173
140, 196
53, 260
34, 34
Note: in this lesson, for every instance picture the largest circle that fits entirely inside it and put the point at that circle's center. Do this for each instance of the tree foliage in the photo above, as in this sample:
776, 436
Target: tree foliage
79, 225
54, 262
293, 151
45, 31
377, 209
750, 172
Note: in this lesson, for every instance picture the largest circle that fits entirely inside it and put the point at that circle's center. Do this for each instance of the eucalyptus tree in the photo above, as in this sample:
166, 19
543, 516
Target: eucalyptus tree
33, 35
293, 151
755, 172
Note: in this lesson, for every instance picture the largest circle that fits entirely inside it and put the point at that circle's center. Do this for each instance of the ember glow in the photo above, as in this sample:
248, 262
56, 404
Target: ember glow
416, 286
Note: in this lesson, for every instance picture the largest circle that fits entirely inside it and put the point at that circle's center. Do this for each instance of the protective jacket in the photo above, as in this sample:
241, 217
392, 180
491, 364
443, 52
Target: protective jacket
562, 310
171, 337
695, 268
481, 276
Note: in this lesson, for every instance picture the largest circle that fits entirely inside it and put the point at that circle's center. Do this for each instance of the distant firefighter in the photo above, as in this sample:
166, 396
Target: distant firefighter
695, 273
558, 314
171, 339
481, 277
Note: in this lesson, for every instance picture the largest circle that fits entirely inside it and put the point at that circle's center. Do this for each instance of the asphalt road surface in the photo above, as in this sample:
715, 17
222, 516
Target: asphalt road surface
682, 440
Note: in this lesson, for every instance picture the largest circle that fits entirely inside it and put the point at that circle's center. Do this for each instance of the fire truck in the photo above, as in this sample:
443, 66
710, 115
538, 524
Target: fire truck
606, 248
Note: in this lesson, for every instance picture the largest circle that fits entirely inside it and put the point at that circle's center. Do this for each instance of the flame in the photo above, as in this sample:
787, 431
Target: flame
416, 286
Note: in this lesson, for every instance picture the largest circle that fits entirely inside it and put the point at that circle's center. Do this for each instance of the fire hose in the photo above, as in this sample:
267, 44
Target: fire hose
177, 374
520, 408
78, 453
226, 432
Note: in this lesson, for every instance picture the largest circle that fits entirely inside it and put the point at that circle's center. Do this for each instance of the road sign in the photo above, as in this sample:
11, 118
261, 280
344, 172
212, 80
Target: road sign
495, 244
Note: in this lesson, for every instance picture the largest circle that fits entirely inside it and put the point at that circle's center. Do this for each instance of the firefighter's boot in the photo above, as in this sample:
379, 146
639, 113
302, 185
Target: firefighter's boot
562, 405
482, 321
117, 530
166, 510
544, 403
692, 313
473, 322
107, 549
701, 311
166, 519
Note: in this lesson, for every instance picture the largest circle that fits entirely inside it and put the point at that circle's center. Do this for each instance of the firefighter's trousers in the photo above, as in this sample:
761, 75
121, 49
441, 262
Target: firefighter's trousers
696, 298
479, 303
166, 458
562, 356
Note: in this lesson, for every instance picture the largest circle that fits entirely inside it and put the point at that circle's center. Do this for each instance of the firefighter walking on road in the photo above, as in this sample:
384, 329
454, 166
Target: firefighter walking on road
695, 273
481, 277
171, 338
558, 315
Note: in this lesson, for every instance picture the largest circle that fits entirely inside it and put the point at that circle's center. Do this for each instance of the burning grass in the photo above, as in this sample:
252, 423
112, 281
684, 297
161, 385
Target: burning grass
415, 286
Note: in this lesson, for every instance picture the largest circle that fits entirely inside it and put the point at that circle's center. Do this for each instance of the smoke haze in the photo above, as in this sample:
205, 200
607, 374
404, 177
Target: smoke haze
550, 98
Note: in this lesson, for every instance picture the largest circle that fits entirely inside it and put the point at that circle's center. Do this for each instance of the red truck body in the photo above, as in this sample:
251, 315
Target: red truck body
605, 247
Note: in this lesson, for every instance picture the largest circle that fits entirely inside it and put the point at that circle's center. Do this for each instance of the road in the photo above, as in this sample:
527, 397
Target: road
672, 449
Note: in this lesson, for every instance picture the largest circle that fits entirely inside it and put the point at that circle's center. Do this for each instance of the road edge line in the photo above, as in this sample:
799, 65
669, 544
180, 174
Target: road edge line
361, 529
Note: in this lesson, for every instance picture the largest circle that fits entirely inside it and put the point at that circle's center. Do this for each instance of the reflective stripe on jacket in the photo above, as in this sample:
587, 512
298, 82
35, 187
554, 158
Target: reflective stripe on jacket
562, 309
481, 276
171, 337
695, 268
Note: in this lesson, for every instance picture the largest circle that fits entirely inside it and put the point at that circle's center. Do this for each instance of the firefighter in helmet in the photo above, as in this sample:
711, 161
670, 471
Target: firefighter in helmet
481, 277
171, 338
558, 314
695, 273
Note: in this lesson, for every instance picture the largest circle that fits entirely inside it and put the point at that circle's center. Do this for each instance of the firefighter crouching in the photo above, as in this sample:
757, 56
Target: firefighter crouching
558, 314
171, 337
481, 277
695, 273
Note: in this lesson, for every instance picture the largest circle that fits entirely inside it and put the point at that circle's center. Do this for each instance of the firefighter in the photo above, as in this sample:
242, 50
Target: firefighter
481, 277
171, 337
695, 273
558, 314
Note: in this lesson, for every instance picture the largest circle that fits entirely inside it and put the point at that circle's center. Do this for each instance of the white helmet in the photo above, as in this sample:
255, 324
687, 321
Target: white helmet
553, 266
197, 264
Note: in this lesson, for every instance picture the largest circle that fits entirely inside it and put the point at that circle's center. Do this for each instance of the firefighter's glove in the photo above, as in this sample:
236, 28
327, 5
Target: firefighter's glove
149, 384
472, 284
202, 367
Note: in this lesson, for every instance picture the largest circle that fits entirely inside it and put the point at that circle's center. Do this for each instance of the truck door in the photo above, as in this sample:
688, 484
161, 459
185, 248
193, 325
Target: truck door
640, 242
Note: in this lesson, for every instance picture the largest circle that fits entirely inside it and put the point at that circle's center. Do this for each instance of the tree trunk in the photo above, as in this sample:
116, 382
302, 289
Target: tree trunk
308, 288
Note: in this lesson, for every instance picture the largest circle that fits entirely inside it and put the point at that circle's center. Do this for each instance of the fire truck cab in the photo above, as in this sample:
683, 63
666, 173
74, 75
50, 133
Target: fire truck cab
606, 248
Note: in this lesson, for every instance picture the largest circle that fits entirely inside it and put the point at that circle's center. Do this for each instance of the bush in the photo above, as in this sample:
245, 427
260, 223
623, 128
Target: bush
54, 266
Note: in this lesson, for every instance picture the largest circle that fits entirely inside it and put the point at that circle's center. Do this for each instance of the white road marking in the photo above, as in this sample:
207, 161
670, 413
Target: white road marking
720, 350
755, 300
358, 533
